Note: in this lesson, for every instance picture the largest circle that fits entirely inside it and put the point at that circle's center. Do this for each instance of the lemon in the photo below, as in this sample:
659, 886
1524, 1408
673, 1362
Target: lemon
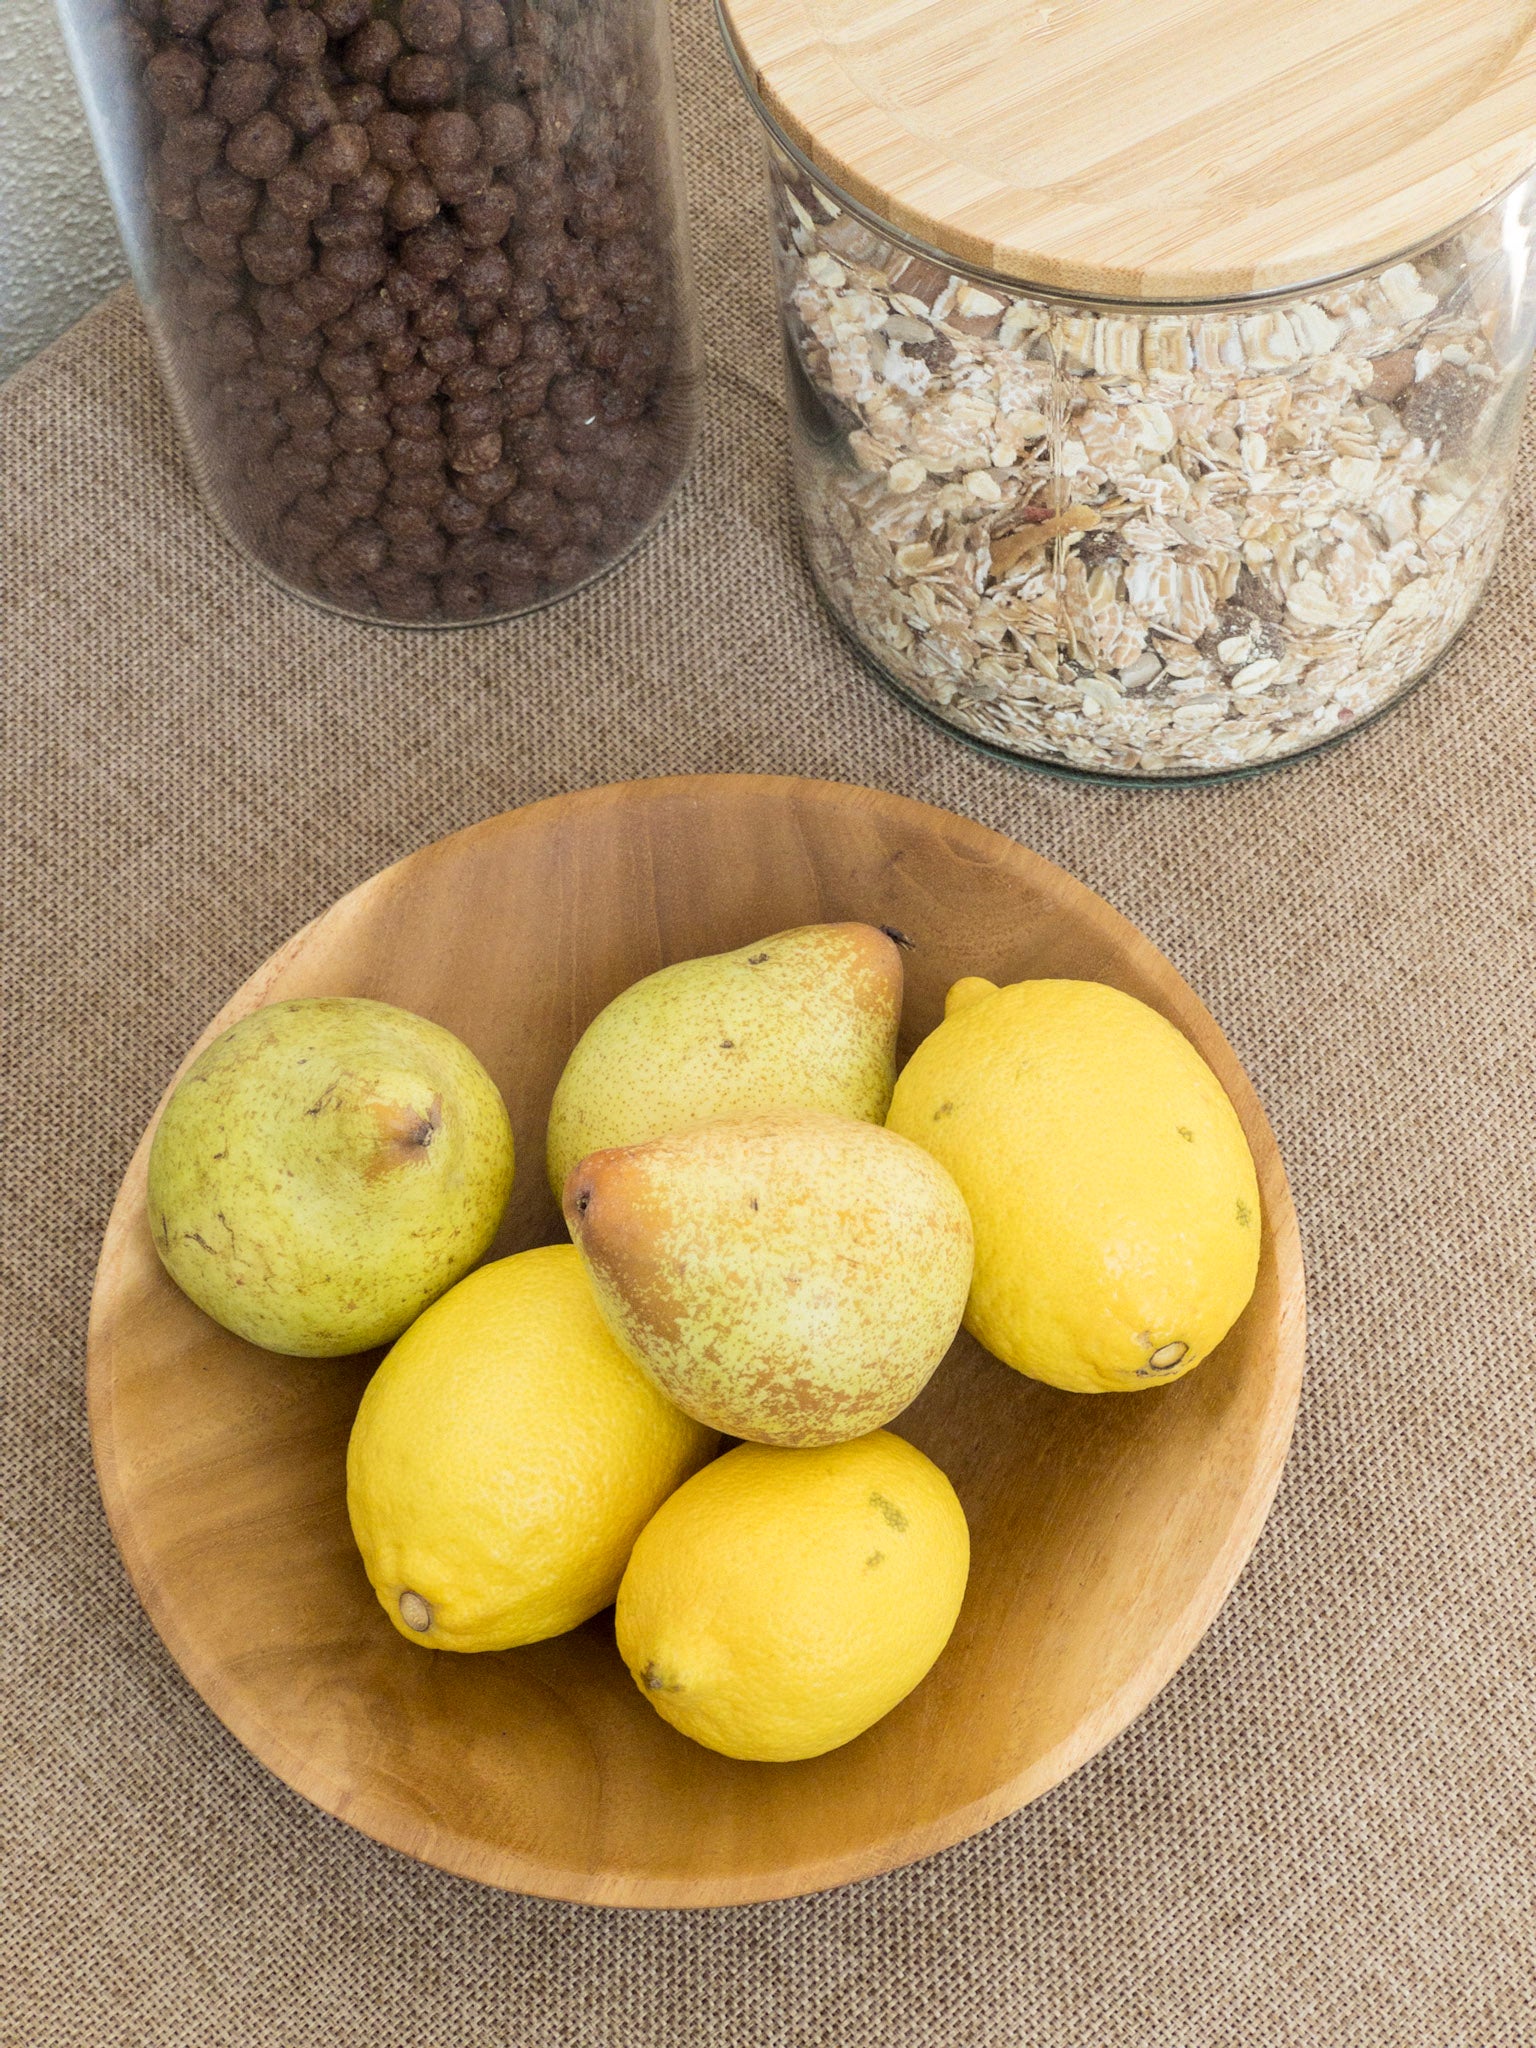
505, 1457
781, 1600
1111, 1189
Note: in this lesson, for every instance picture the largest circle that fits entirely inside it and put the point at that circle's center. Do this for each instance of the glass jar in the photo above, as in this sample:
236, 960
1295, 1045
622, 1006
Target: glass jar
1149, 541
418, 276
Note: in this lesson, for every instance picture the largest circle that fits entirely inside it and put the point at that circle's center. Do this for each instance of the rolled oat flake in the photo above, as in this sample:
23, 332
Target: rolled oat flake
1155, 370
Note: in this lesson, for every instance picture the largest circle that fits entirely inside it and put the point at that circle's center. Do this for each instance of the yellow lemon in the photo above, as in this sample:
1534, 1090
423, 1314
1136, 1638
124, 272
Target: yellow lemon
1110, 1186
505, 1457
783, 1600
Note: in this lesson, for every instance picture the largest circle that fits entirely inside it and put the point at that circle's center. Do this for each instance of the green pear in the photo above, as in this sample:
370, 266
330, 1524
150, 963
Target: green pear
793, 1278
803, 1020
325, 1169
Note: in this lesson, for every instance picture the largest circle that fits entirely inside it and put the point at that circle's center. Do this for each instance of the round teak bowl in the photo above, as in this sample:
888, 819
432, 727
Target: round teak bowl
1106, 1530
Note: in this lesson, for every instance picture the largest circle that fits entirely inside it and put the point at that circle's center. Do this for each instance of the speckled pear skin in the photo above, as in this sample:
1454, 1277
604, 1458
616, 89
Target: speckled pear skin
324, 1170
804, 1019
792, 1278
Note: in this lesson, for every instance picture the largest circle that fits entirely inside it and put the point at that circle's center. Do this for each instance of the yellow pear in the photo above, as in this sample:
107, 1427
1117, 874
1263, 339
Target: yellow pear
327, 1167
792, 1278
805, 1019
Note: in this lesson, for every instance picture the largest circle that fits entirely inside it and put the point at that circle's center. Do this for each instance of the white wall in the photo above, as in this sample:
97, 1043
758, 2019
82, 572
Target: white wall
59, 252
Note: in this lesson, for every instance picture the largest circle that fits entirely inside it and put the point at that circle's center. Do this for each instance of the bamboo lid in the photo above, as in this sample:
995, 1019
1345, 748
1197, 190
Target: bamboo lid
1154, 149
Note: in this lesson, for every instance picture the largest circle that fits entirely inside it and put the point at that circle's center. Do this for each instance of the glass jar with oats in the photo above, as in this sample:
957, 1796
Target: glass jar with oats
1155, 374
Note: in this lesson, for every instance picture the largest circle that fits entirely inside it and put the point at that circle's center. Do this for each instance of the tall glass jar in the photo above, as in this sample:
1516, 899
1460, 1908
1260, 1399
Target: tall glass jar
418, 276
1137, 538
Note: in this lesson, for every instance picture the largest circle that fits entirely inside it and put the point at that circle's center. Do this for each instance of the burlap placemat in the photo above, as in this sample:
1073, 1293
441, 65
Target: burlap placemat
1321, 1833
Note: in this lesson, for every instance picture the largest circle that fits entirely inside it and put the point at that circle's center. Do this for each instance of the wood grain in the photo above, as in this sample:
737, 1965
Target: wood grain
1106, 1531
1153, 149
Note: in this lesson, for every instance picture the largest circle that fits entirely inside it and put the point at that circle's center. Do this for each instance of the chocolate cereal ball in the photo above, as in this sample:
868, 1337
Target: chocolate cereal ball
432, 25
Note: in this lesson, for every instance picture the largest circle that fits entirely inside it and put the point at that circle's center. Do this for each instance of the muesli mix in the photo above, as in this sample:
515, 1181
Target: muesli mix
1154, 543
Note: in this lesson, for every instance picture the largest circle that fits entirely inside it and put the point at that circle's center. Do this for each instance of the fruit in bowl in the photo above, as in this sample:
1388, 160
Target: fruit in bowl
1114, 1196
793, 1278
324, 1170
505, 1457
781, 1602
803, 1019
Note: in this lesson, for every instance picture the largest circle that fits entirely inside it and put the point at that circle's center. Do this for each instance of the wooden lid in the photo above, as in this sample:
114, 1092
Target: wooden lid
1154, 149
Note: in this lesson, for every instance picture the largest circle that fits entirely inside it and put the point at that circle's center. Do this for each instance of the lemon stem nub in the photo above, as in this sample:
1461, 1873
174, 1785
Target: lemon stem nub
415, 1612
971, 988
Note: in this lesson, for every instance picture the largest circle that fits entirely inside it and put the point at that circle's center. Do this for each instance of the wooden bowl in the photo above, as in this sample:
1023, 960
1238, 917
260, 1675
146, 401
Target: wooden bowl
1106, 1530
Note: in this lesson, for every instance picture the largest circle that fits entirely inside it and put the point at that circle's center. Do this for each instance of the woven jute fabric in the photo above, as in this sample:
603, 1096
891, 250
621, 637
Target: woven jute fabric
1322, 1832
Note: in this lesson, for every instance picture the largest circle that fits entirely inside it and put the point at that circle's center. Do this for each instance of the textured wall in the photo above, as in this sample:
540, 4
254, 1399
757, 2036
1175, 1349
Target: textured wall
58, 248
